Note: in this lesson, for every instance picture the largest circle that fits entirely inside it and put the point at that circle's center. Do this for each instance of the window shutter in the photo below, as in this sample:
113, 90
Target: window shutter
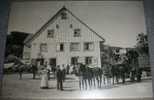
58, 47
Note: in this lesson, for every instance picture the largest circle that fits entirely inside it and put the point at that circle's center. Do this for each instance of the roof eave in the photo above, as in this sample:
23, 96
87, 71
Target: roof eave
53, 18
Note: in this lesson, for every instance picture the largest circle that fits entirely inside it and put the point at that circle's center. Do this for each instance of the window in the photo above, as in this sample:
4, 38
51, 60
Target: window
43, 47
60, 47
71, 26
51, 33
40, 61
74, 60
57, 26
63, 15
88, 60
77, 32
74, 47
88, 46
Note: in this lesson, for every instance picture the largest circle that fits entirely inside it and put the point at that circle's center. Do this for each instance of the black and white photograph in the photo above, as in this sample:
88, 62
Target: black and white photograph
77, 50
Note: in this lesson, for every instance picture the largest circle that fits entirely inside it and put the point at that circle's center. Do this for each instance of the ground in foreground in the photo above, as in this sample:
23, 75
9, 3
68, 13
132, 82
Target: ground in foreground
28, 88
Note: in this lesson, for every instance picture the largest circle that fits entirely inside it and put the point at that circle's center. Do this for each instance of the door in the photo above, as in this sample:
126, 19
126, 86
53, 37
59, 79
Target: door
74, 60
53, 62
40, 60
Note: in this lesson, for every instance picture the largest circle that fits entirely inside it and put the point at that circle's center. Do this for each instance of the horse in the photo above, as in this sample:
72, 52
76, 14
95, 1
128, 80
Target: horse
21, 68
107, 74
88, 75
97, 75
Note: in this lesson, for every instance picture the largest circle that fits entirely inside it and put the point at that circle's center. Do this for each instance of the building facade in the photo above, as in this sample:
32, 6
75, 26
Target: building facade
64, 39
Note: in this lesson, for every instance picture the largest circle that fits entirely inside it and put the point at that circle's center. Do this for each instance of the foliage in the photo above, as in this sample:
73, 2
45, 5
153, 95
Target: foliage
132, 56
142, 43
14, 44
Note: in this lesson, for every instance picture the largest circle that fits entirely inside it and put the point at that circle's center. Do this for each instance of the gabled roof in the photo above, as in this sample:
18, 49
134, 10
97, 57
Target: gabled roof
29, 39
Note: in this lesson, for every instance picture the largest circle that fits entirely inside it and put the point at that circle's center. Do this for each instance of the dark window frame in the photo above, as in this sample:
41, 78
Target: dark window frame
64, 15
61, 47
88, 60
57, 26
42, 48
87, 46
74, 60
77, 32
50, 33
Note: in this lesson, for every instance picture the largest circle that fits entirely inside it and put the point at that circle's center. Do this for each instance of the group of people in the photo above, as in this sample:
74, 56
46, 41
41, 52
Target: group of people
59, 73
107, 75
89, 77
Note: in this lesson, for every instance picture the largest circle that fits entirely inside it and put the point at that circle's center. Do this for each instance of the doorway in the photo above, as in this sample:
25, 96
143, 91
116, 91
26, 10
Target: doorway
52, 62
74, 60
40, 60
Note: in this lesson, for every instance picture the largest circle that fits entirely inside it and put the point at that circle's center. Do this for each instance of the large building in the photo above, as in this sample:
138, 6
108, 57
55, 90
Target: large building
64, 39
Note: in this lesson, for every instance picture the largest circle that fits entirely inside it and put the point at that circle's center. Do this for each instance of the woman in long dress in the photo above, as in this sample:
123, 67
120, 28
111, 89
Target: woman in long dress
44, 79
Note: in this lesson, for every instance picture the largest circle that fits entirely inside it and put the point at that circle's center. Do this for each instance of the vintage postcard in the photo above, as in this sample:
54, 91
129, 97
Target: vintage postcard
77, 50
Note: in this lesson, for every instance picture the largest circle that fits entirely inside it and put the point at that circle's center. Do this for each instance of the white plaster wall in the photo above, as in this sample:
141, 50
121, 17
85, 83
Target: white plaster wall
65, 35
26, 52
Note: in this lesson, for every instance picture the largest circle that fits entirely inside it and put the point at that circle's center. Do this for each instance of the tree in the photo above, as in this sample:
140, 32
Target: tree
142, 43
132, 56
14, 44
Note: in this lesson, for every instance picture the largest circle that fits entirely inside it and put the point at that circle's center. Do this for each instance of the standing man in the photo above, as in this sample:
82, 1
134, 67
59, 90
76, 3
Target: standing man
34, 69
59, 76
20, 70
63, 72
53, 69
122, 73
48, 69
67, 68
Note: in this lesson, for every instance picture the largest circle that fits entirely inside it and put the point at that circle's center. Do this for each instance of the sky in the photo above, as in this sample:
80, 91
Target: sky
118, 22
